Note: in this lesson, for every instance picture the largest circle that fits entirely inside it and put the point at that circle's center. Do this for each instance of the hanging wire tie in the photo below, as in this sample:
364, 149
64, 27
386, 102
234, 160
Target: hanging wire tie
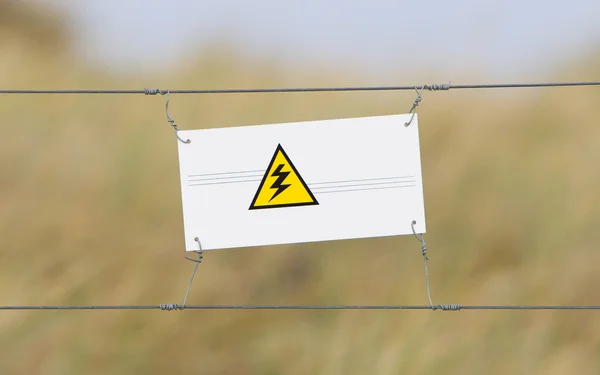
415, 104
421, 239
171, 306
169, 119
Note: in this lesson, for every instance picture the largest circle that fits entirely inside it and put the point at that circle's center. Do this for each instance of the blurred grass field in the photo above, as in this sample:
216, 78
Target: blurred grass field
90, 213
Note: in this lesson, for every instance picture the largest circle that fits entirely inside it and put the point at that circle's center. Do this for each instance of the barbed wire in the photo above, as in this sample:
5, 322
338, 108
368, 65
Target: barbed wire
169, 307
440, 87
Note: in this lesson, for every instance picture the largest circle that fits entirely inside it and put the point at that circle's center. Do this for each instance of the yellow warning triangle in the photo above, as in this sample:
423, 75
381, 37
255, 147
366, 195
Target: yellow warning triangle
282, 185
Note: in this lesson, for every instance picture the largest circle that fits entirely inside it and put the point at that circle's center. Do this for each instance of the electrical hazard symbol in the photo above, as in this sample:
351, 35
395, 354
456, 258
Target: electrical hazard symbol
282, 185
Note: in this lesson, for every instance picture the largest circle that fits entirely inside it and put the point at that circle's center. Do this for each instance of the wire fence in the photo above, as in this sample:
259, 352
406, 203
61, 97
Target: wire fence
440, 87
171, 307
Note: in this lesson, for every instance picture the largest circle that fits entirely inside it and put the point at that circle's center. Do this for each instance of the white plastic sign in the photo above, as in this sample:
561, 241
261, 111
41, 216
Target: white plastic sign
301, 182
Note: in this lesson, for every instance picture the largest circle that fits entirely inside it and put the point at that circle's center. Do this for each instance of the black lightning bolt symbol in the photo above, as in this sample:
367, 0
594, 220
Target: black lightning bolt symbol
281, 176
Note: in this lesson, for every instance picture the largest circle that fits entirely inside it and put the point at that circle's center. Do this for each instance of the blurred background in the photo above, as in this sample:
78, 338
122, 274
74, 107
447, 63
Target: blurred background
90, 204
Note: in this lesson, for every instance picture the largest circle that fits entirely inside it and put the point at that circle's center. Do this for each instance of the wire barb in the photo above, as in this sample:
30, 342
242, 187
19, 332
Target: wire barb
421, 239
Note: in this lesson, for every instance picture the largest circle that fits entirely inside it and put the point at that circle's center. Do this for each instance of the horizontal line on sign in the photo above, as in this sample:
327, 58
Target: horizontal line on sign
364, 179
223, 182
373, 188
221, 173
355, 185
224, 178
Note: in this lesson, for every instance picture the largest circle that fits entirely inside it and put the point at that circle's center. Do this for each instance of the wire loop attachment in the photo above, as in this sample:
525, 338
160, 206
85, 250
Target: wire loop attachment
169, 119
453, 307
170, 307
415, 105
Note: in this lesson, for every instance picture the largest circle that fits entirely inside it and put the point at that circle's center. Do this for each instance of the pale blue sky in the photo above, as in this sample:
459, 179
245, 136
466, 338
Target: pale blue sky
504, 39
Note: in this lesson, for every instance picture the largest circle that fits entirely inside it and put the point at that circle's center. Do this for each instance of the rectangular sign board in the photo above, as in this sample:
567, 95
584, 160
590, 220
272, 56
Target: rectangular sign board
301, 182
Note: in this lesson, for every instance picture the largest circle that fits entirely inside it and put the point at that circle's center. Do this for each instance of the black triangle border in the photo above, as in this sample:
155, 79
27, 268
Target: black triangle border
280, 148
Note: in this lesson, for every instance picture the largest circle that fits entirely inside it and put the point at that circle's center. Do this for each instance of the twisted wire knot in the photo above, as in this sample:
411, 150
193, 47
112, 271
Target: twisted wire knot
450, 307
416, 103
424, 250
150, 91
445, 86
170, 307
200, 257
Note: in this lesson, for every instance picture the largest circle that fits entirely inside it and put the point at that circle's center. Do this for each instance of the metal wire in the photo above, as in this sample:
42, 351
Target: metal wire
415, 105
450, 307
169, 307
425, 259
438, 87
299, 307
170, 120
197, 261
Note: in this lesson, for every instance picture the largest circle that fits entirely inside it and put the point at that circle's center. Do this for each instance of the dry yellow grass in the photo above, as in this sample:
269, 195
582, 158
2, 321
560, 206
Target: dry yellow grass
90, 213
